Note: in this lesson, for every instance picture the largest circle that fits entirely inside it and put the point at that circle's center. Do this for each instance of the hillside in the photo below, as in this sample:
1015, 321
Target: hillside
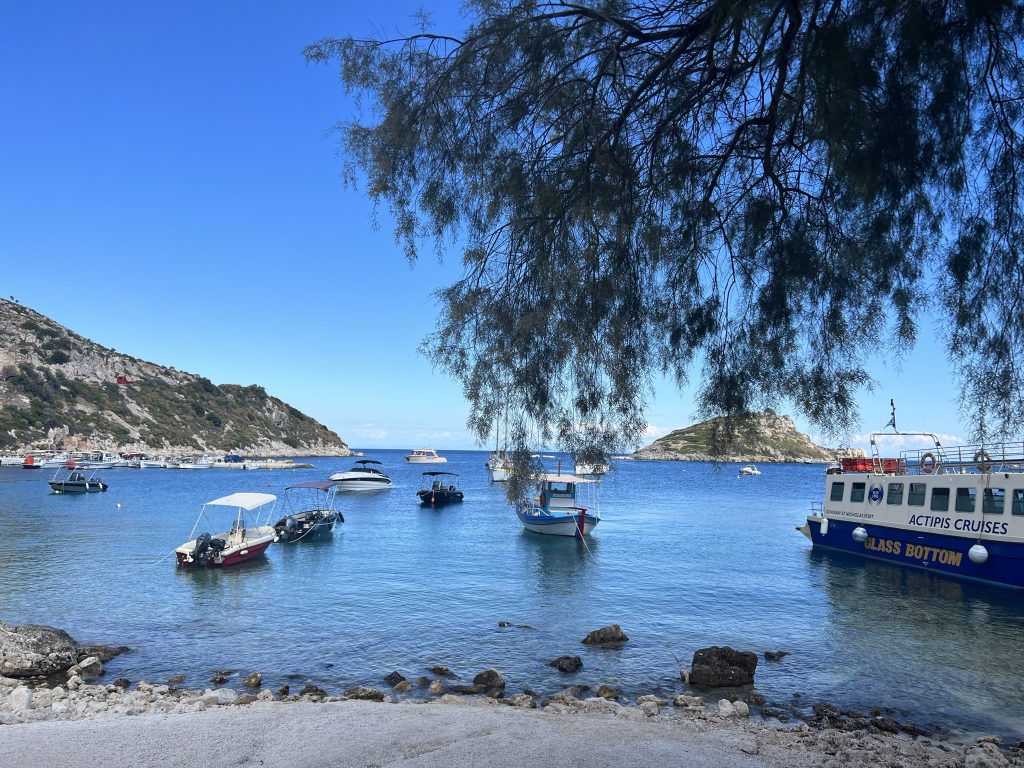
61, 390
761, 437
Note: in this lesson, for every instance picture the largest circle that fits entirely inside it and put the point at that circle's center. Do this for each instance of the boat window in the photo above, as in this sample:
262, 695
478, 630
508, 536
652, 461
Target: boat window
1018, 501
838, 489
966, 499
857, 492
992, 501
916, 496
940, 499
561, 489
895, 493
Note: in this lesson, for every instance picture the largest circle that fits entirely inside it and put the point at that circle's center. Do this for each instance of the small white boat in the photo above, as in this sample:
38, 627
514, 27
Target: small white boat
595, 468
499, 465
194, 462
98, 460
748, 470
425, 456
244, 540
362, 477
557, 510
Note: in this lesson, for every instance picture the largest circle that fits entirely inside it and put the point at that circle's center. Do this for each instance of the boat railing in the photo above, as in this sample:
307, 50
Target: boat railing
961, 459
818, 508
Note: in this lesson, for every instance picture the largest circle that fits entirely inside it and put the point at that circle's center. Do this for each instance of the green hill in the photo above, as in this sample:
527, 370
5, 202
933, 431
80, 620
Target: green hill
61, 390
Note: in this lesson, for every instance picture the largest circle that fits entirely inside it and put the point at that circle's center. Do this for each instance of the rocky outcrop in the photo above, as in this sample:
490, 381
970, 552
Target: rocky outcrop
610, 635
62, 391
759, 437
716, 667
567, 664
33, 650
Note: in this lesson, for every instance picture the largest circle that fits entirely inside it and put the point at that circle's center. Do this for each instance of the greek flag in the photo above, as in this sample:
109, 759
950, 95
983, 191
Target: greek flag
892, 422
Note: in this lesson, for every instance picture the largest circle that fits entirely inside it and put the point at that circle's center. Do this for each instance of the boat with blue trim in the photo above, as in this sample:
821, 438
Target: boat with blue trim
957, 511
556, 508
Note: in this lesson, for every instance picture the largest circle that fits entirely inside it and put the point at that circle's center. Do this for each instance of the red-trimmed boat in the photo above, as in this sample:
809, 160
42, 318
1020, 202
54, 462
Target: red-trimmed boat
245, 540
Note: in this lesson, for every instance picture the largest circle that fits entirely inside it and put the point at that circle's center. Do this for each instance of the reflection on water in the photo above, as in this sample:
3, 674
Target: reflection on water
686, 556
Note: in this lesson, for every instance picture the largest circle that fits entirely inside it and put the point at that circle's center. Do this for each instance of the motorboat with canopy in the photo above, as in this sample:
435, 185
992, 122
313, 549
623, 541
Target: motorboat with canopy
73, 480
309, 512
244, 540
439, 488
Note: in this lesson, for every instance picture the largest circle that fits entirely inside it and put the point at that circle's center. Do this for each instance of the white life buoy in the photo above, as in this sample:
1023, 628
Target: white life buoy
928, 463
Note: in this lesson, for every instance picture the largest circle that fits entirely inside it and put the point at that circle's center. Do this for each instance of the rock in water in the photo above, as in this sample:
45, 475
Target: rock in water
567, 664
606, 636
255, 680
775, 655
489, 679
716, 667
33, 649
394, 679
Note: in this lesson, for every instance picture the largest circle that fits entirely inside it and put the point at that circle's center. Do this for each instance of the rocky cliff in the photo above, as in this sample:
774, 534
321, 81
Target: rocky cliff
60, 390
761, 437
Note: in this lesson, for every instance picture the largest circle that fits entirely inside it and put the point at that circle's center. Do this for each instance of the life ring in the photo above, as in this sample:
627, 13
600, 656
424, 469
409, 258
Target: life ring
983, 460
928, 463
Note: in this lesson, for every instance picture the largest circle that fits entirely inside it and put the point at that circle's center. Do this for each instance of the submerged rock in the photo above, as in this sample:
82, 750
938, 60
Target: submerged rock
403, 686
612, 634
722, 666
775, 655
437, 688
315, 692
607, 692
567, 664
442, 670
394, 679
31, 650
102, 652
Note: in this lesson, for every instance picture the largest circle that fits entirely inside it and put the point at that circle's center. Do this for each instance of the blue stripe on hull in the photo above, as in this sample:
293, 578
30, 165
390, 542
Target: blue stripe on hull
927, 551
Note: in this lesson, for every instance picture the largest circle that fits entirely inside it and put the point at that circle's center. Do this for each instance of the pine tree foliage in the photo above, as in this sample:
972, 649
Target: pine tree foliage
759, 194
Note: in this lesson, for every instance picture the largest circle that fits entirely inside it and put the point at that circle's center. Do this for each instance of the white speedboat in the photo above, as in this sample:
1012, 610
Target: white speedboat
748, 470
362, 477
557, 510
425, 456
244, 540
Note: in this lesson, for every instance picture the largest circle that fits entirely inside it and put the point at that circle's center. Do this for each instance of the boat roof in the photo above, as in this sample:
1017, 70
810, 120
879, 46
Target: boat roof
424, 450
323, 486
246, 501
551, 477
370, 461
456, 474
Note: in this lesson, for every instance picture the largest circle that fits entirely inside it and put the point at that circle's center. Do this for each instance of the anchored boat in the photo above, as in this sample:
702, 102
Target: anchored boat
72, 480
310, 512
958, 511
439, 488
557, 510
362, 477
245, 539
425, 456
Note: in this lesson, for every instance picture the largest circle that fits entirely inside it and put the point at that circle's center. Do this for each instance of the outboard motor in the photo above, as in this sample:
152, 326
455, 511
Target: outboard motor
199, 552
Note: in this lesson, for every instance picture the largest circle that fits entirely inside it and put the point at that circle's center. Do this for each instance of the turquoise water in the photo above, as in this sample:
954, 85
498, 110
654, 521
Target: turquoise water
686, 556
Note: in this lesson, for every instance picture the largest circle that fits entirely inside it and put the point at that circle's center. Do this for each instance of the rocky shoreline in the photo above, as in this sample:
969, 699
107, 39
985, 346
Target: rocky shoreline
57, 680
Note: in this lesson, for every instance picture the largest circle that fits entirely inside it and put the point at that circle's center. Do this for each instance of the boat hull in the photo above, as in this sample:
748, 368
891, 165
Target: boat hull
358, 484
231, 556
92, 486
439, 498
558, 524
426, 459
927, 551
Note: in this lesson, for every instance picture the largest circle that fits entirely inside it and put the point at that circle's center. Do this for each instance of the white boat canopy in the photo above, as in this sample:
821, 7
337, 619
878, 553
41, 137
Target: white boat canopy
247, 501
551, 477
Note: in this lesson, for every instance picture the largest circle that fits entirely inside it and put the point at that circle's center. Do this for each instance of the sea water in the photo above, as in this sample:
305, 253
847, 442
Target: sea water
687, 555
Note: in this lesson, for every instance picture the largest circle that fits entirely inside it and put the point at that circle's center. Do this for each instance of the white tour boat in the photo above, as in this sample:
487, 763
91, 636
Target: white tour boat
748, 471
957, 511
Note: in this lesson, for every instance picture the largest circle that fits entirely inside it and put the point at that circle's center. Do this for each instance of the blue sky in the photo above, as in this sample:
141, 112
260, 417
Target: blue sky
170, 187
